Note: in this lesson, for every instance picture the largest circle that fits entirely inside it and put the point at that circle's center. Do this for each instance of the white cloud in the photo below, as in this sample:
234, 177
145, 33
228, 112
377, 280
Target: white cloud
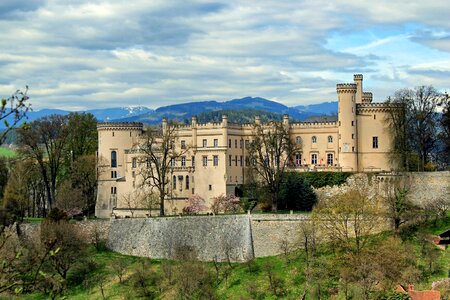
78, 53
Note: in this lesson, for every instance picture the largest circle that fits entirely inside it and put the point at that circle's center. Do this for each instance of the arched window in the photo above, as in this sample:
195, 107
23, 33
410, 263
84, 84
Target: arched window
330, 139
187, 182
314, 139
174, 178
113, 159
298, 140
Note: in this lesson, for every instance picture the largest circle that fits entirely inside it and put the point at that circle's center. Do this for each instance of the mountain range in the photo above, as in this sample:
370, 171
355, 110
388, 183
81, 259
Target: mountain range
181, 112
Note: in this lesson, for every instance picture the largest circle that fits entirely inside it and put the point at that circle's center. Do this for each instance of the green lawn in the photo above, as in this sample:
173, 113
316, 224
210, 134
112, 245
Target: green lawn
6, 152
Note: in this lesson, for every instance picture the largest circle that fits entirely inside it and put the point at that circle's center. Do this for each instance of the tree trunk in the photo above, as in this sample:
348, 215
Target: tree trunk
161, 206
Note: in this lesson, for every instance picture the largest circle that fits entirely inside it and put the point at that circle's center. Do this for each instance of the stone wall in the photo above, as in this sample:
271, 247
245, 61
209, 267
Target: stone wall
208, 237
424, 187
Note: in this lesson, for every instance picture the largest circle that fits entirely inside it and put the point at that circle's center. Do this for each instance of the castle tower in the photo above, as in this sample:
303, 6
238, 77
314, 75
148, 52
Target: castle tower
113, 140
347, 126
358, 80
194, 131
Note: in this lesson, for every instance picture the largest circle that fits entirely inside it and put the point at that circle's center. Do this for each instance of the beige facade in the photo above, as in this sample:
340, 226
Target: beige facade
216, 158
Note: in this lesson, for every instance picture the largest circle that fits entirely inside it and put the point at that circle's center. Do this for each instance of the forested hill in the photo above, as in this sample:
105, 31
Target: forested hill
240, 116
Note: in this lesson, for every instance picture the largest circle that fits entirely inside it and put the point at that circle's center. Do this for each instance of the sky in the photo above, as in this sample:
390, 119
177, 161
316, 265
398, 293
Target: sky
76, 54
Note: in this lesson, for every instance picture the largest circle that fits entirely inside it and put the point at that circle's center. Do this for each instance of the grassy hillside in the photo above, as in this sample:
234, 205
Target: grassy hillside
262, 278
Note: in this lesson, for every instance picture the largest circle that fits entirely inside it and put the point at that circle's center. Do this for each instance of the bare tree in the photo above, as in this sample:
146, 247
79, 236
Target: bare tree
13, 110
158, 152
270, 152
413, 124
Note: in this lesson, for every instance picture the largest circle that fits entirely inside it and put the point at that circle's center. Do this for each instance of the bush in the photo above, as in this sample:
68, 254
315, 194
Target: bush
321, 179
195, 205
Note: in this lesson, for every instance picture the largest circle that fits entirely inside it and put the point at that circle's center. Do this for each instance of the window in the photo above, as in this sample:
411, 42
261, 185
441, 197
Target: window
353, 136
133, 174
247, 161
353, 123
374, 117
113, 133
229, 143
330, 139
205, 161
130, 133
375, 142
187, 182
183, 161
113, 190
193, 161
247, 144
241, 144
174, 182
330, 159
229, 160
240, 161
339, 123
215, 160
205, 143
113, 159
314, 159
353, 149
133, 163
113, 174
298, 140
183, 144
235, 143
235, 160
216, 143
210, 187
173, 162
314, 139
298, 159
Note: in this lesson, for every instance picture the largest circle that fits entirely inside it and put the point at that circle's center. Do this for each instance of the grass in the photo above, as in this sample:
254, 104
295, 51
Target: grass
6, 152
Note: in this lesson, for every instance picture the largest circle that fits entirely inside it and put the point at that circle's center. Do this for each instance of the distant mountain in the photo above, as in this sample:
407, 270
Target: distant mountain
241, 116
107, 114
180, 112
326, 108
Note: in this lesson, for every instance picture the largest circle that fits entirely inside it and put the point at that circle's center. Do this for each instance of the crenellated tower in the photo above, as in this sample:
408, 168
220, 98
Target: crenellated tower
347, 126
113, 139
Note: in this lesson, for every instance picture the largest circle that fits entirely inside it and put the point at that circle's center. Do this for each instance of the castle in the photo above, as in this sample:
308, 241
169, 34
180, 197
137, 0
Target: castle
217, 156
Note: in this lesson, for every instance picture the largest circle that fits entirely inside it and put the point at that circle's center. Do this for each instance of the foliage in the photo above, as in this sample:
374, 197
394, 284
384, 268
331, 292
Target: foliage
296, 193
444, 135
321, 179
194, 205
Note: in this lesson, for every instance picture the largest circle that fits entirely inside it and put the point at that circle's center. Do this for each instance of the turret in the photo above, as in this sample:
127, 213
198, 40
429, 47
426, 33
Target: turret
257, 120
286, 121
194, 131
224, 130
164, 125
347, 126
358, 80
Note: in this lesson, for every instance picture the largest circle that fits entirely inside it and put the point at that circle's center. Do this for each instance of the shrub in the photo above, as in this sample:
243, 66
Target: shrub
296, 193
195, 205
321, 179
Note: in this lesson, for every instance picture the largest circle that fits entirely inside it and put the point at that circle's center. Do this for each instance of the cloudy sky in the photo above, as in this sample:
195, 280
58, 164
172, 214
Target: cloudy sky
76, 54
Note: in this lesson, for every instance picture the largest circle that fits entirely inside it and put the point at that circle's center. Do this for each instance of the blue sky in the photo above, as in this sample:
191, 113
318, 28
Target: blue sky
76, 54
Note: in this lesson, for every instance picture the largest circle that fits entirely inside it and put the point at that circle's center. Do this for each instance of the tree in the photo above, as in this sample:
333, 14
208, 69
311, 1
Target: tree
13, 110
349, 218
83, 137
44, 140
445, 125
270, 152
83, 177
194, 205
296, 193
399, 208
157, 151
413, 124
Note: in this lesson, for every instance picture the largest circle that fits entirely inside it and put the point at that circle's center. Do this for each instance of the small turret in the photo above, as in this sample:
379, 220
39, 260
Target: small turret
257, 120
358, 80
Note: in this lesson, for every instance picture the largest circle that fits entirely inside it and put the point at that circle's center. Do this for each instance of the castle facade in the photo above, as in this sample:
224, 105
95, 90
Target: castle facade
216, 156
